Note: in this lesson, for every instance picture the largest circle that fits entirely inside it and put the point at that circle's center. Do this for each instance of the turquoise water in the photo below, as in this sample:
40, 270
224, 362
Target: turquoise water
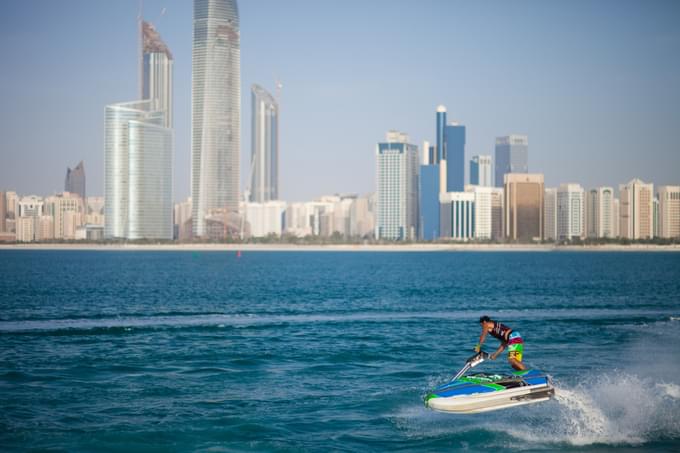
312, 351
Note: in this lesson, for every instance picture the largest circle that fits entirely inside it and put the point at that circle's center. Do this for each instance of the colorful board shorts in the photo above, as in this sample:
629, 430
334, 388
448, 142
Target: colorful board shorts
515, 346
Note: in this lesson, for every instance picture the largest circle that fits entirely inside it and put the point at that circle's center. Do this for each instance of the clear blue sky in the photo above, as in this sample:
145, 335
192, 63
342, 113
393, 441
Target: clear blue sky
595, 85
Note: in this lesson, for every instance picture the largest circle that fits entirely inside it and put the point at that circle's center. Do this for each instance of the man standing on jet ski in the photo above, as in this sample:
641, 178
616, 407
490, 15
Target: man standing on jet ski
508, 338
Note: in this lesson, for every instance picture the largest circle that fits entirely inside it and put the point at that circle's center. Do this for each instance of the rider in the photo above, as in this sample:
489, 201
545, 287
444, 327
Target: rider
508, 338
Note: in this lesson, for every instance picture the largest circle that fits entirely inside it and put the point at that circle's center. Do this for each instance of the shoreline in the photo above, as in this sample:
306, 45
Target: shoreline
346, 247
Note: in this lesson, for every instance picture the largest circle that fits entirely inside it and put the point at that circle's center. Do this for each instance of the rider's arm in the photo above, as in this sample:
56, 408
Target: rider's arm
498, 351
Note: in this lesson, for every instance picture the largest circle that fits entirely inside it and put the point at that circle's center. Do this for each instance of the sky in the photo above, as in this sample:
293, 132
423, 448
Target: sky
594, 85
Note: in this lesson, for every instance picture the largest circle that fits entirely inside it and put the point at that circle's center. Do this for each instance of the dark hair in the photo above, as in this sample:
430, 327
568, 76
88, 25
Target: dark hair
484, 319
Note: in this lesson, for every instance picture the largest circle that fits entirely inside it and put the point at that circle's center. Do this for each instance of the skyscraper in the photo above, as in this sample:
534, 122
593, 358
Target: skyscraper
75, 180
523, 206
454, 151
441, 126
550, 214
216, 110
570, 211
636, 210
669, 211
3, 212
512, 156
480, 171
138, 150
397, 188
157, 71
264, 155
138, 176
600, 218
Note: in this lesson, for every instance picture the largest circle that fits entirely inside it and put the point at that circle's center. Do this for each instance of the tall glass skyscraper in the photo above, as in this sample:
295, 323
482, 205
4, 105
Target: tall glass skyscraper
397, 188
138, 176
264, 156
216, 110
75, 180
454, 147
512, 156
138, 151
157, 68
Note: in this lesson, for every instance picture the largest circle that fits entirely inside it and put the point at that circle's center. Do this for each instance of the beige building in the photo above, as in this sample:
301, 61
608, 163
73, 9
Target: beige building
669, 211
636, 210
182, 220
523, 219
45, 230
601, 217
3, 212
488, 211
67, 209
25, 227
550, 214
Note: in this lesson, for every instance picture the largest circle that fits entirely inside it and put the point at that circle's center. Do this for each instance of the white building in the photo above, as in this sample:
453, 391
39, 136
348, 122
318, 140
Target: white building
488, 211
138, 172
457, 215
669, 211
600, 215
550, 214
480, 171
30, 209
263, 219
636, 210
362, 219
570, 211
397, 188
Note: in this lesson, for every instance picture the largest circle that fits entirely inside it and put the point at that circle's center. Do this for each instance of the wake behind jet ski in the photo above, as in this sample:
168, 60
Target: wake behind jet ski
487, 392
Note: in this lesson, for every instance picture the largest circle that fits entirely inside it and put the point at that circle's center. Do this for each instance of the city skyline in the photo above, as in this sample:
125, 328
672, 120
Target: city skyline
573, 113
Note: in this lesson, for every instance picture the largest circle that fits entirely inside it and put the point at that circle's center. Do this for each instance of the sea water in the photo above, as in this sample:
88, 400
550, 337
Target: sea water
316, 351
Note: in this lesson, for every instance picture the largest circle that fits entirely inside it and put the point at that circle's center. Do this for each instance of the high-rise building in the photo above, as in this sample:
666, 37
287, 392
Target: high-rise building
157, 72
488, 211
139, 149
12, 200
636, 210
138, 176
523, 217
429, 202
216, 110
454, 151
512, 156
600, 218
550, 214
570, 212
480, 171
616, 215
75, 180
440, 151
3, 212
669, 211
457, 214
264, 155
397, 188
655, 217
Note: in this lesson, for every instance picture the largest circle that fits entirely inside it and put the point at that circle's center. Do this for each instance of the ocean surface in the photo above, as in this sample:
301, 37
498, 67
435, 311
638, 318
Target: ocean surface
331, 351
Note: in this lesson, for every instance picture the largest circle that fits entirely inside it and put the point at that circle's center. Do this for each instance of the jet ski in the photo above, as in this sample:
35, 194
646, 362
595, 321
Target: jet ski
483, 392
